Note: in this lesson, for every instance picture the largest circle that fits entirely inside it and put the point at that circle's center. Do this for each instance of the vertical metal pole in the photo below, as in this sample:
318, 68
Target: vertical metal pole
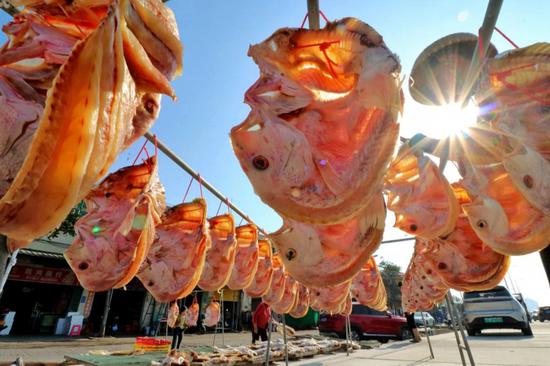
7, 268
450, 311
313, 13
485, 33
223, 321
284, 339
545, 258
461, 329
269, 325
108, 299
347, 335
427, 335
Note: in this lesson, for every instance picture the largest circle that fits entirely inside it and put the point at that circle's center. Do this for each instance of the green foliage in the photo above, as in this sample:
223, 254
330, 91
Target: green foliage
391, 276
67, 226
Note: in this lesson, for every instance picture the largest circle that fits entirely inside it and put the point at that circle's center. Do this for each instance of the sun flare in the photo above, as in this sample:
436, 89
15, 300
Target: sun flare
438, 121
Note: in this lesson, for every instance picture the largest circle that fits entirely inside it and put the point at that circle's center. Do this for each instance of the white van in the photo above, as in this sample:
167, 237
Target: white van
494, 309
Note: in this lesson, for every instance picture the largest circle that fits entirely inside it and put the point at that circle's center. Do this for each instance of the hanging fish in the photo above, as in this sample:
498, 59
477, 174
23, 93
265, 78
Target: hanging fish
113, 238
175, 261
288, 299
319, 255
301, 305
337, 91
277, 286
367, 287
262, 279
246, 258
221, 256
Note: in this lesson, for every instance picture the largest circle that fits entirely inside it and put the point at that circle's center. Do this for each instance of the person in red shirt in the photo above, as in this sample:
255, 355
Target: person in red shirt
260, 322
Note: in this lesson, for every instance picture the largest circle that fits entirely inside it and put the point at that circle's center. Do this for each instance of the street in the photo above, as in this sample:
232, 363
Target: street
496, 347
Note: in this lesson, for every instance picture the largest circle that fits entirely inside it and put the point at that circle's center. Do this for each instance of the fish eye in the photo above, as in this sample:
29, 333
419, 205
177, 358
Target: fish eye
260, 162
528, 181
290, 254
482, 224
83, 266
413, 227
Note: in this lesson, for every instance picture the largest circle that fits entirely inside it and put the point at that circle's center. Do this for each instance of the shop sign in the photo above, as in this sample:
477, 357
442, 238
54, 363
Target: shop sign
58, 276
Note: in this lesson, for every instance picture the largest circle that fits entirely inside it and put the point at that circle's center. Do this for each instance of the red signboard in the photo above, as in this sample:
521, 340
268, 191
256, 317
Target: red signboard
58, 276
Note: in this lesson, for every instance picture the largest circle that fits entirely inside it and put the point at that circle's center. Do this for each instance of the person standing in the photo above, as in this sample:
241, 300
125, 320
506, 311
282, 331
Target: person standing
260, 322
180, 324
412, 326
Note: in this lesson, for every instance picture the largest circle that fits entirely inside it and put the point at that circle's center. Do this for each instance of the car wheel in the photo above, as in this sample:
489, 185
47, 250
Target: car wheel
355, 335
472, 332
383, 340
542, 320
527, 331
405, 333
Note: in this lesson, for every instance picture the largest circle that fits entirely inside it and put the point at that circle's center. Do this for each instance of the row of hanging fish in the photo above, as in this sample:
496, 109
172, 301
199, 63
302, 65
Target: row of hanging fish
316, 145
128, 232
466, 231
79, 82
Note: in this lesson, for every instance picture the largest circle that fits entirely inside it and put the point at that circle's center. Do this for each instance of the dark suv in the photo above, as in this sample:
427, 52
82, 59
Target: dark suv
544, 313
366, 323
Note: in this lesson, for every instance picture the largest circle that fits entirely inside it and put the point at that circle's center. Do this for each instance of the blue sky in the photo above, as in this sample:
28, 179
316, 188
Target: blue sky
216, 36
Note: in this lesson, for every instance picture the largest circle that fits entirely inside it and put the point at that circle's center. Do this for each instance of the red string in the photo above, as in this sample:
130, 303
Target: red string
187, 190
156, 147
304, 21
506, 37
219, 206
323, 15
139, 152
200, 185
323, 46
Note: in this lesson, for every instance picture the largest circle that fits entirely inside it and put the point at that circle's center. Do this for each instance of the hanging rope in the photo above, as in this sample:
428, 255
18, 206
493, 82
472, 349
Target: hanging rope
506, 38
187, 190
143, 147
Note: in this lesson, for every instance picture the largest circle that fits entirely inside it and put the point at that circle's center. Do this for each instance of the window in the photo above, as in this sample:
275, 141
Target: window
360, 309
496, 292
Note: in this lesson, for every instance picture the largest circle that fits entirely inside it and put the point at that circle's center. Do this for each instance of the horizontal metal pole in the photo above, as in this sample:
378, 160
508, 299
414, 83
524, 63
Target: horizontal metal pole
182, 164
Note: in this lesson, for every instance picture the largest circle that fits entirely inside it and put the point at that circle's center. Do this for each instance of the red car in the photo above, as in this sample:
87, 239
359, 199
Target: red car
366, 323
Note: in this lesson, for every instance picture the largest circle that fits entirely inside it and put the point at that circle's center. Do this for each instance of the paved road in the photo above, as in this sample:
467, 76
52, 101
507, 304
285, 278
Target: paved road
490, 349
496, 347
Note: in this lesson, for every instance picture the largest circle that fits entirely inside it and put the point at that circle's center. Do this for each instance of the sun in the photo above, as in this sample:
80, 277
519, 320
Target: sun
438, 121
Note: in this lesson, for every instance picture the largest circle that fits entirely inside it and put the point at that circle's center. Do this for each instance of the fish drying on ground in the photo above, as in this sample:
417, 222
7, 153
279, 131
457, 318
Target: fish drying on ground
420, 196
499, 213
100, 84
212, 314
246, 258
301, 305
286, 303
323, 125
174, 263
277, 287
367, 287
262, 279
319, 255
113, 238
221, 256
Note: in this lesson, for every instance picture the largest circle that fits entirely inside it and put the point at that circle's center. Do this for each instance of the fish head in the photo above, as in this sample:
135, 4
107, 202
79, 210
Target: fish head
303, 67
487, 218
298, 246
273, 155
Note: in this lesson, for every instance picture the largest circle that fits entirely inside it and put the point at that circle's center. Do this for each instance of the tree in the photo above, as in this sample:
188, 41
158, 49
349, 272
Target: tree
391, 276
67, 226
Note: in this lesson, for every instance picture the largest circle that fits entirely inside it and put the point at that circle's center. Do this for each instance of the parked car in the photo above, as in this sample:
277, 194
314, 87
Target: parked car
535, 315
366, 323
430, 321
494, 309
544, 313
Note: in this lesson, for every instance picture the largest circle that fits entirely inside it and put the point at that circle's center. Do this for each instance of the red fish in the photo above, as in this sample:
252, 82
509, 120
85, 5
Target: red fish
174, 263
288, 299
212, 314
114, 237
319, 255
301, 305
277, 287
221, 256
337, 91
367, 287
262, 279
246, 258
420, 196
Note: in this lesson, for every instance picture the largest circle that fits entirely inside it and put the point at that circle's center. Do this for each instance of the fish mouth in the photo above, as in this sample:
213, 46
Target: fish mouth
268, 91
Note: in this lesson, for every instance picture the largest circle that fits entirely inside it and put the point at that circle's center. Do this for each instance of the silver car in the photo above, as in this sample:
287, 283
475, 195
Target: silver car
494, 309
